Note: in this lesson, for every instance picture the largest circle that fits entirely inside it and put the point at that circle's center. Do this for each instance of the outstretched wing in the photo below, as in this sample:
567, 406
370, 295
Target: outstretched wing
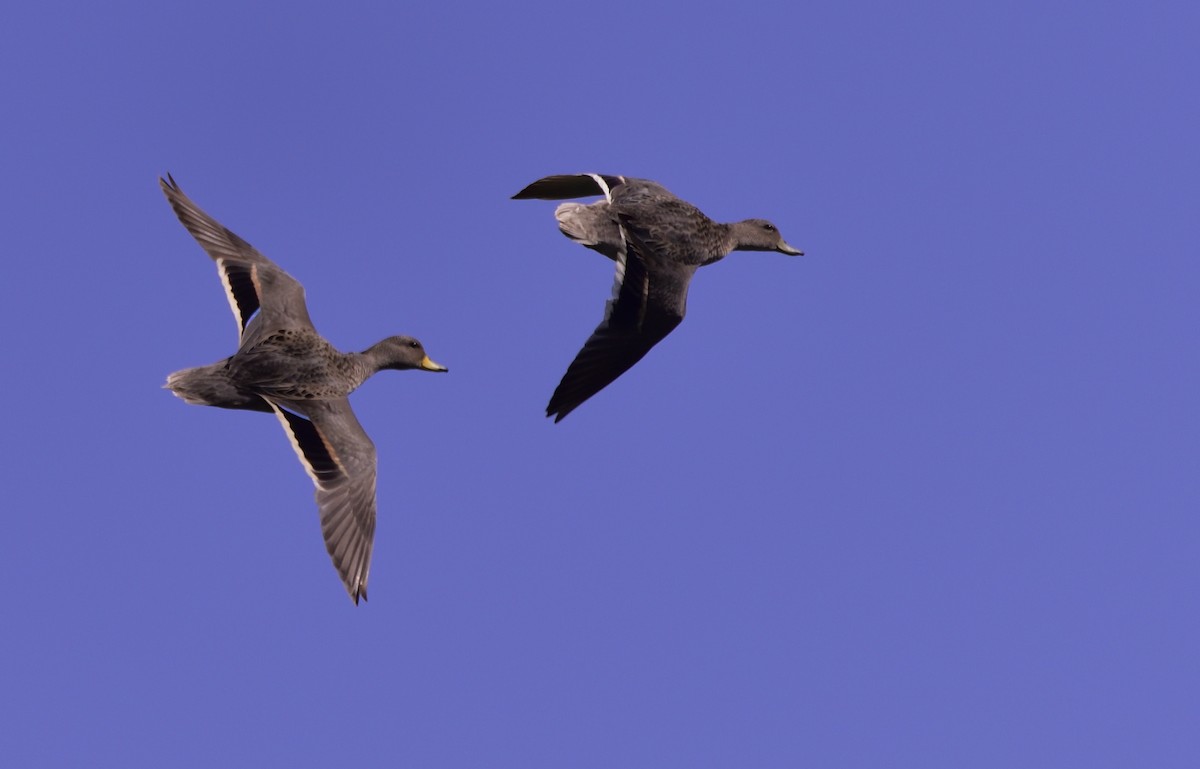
649, 301
340, 458
252, 281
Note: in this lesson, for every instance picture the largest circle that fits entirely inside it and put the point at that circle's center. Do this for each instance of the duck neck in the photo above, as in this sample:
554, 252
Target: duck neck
727, 241
359, 366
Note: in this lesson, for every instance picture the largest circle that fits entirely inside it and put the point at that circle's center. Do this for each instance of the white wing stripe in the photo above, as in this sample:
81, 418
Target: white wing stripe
308, 468
603, 185
233, 305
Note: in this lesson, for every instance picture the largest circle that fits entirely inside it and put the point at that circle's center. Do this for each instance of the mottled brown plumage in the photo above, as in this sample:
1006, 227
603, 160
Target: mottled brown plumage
283, 366
658, 242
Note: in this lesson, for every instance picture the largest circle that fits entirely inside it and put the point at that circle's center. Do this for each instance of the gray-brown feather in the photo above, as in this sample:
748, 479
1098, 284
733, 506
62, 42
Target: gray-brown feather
284, 366
658, 242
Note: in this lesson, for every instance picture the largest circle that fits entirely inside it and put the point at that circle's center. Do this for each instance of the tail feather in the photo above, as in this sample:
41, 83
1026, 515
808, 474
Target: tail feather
591, 226
211, 386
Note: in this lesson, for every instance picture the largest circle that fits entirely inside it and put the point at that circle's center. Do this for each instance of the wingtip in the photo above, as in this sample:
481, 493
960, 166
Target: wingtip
529, 191
558, 412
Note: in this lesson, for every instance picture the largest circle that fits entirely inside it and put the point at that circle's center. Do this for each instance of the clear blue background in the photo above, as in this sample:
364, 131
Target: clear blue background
926, 497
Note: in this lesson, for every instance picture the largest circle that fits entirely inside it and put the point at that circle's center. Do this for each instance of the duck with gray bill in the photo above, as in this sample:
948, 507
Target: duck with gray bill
283, 366
658, 241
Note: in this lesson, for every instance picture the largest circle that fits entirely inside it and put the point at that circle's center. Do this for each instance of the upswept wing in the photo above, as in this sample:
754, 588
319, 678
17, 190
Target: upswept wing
568, 186
253, 283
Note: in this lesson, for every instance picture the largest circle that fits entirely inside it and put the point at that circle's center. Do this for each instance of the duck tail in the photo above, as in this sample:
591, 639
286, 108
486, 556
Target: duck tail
211, 386
590, 225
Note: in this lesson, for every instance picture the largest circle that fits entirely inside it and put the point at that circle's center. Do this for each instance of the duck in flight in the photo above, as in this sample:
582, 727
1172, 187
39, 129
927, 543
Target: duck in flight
283, 366
658, 241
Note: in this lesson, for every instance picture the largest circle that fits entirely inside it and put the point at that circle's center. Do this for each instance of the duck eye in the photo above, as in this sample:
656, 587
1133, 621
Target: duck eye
768, 227
414, 344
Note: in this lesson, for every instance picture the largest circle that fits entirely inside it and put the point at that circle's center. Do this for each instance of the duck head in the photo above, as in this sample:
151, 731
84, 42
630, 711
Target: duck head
761, 235
402, 352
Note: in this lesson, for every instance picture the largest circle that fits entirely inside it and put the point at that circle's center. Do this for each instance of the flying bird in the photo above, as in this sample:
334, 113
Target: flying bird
658, 242
283, 366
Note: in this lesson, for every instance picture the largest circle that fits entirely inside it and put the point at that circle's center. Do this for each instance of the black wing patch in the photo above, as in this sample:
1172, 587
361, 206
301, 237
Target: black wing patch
238, 278
319, 460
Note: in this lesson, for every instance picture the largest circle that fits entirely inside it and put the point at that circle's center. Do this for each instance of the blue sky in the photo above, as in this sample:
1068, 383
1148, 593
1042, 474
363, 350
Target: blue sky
925, 497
